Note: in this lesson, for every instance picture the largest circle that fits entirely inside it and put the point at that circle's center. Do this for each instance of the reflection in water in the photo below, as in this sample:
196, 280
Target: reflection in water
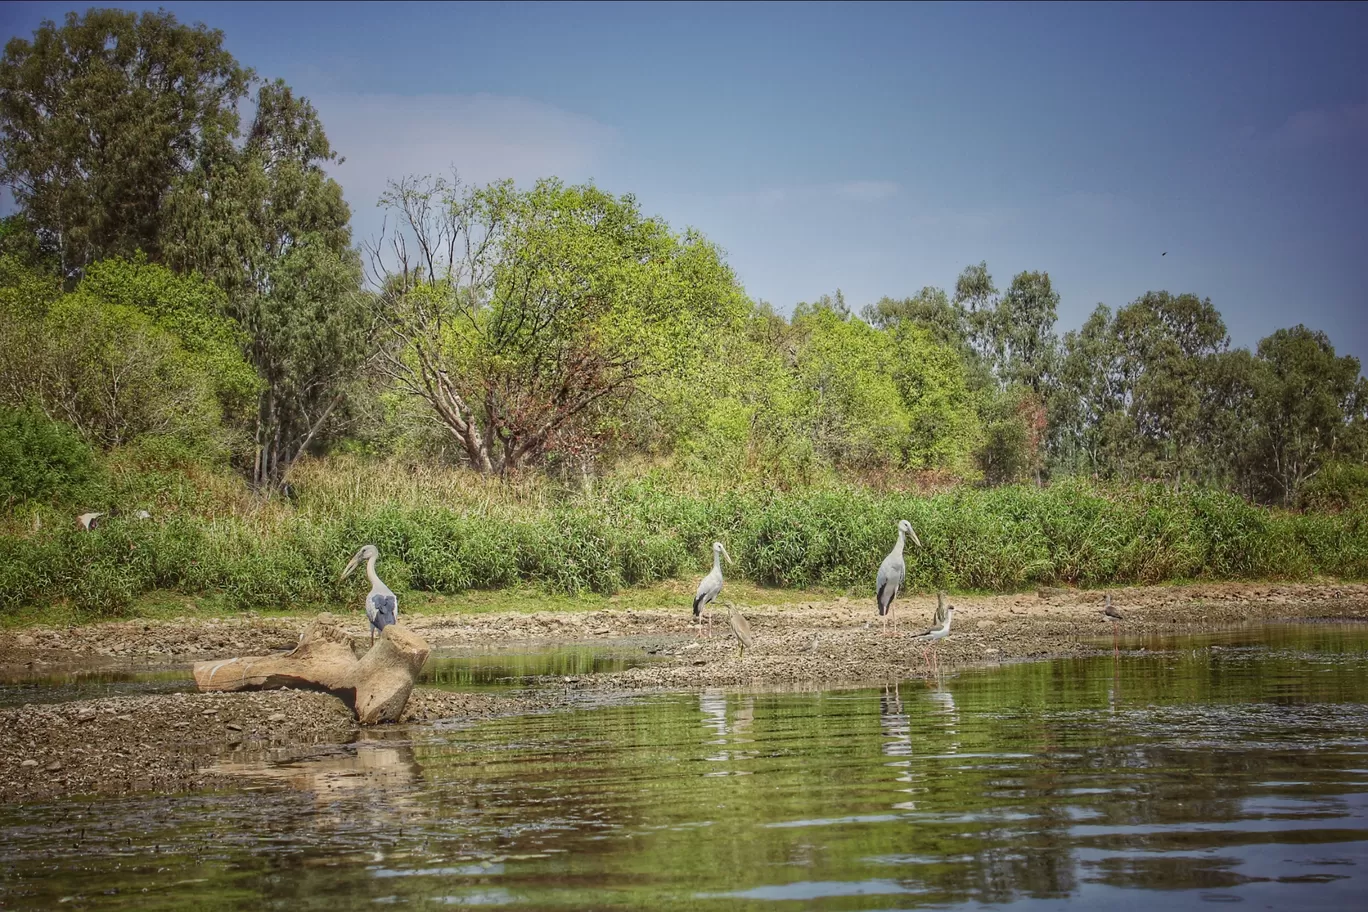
1216, 774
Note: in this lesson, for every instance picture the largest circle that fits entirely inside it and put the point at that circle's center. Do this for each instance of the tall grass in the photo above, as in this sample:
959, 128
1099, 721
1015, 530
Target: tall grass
448, 532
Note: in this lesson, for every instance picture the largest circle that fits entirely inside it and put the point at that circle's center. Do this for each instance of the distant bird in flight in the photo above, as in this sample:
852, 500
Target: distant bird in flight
1165, 253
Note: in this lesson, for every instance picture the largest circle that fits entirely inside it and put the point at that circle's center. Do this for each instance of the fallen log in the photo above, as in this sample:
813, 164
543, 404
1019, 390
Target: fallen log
376, 686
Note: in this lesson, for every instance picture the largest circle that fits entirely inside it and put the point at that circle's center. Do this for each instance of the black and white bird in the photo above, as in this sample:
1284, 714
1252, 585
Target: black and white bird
892, 572
710, 586
933, 636
382, 608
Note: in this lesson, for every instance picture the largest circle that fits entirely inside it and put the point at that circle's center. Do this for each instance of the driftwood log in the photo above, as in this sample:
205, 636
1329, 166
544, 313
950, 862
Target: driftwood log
376, 686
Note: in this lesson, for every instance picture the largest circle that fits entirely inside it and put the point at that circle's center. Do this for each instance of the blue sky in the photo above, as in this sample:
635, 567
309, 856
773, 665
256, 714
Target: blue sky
882, 147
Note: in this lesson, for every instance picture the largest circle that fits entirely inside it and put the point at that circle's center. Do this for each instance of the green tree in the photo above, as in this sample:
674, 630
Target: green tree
977, 297
1306, 403
271, 228
525, 318
99, 119
1166, 342
133, 351
1025, 344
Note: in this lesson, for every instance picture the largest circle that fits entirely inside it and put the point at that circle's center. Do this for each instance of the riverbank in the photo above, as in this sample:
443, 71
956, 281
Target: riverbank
164, 743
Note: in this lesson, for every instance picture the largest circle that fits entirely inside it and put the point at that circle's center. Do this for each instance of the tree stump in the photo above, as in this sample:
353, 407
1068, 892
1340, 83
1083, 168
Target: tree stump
376, 686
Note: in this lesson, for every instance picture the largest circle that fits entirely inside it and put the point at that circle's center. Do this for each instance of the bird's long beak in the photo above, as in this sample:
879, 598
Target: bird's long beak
354, 563
727, 556
915, 540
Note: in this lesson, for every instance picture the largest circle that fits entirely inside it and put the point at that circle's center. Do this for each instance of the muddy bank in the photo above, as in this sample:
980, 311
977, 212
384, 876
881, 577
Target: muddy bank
157, 743
173, 742
1019, 625
166, 743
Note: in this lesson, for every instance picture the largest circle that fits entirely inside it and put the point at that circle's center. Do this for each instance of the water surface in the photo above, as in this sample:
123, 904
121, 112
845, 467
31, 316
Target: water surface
1229, 768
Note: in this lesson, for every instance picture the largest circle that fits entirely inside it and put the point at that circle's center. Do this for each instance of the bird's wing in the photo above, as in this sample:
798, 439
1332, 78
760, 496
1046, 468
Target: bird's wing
886, 586
383, 609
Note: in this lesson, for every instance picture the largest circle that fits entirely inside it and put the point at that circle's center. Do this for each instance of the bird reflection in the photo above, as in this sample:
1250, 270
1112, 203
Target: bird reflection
713, 705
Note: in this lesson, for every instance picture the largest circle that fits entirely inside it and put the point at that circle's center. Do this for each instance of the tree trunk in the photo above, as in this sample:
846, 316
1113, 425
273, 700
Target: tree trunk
376, 686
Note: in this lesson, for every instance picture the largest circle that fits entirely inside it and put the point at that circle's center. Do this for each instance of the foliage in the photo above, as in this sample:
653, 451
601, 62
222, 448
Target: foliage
524, 318
41, 459
101, 116
133, 351
449, 534
271, 228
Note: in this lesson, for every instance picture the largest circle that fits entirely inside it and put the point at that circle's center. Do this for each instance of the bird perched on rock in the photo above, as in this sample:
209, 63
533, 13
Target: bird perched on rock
382, 608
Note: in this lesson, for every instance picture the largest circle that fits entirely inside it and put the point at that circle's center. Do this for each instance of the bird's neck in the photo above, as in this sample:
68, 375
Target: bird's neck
902, 540
717, 561
370, 572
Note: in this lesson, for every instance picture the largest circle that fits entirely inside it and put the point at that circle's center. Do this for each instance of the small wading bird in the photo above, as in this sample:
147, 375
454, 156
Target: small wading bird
382, 608
710, 587
1113, 617
933, 636
892, 572
741, 628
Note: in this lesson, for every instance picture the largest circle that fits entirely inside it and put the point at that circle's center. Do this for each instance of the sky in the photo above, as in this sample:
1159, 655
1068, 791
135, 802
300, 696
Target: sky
880, 148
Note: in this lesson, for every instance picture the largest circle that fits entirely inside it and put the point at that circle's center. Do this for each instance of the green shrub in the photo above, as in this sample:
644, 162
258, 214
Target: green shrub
42, 459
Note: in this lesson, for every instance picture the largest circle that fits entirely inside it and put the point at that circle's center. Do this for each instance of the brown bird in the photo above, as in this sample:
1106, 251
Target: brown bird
1113, 616
741, 627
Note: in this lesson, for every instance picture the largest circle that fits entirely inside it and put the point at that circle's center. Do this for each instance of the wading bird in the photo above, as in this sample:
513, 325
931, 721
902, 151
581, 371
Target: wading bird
740, 627
892, 572
1113, 617
382, 608
933, 636
710, 587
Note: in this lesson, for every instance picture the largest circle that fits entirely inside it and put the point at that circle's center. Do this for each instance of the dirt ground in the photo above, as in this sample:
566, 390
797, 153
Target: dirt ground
163, 743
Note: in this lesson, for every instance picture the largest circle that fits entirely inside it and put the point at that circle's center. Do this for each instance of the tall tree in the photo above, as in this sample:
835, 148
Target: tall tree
977, 296
269, 226
1166, 342
522, 317
1025, 344
101, 116
1306, 404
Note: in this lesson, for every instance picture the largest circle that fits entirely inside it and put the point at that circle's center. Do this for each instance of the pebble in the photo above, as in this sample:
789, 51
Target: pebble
29, 762
233, 726
85, 715
54, 766
25, 640
277, 717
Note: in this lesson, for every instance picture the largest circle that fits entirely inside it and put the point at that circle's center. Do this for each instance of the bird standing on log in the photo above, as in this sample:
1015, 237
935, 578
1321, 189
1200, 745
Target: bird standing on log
892, 572
382, 608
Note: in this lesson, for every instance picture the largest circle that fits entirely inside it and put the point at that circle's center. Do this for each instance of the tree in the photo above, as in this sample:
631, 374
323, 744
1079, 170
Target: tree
977, 296
268, 225
523, 318
99, 119
133, 351
1091, 397
1165, 343
1306, 402
1025, 345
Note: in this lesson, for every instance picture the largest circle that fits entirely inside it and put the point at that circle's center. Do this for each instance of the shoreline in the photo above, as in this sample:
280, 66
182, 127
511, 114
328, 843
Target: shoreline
171, 742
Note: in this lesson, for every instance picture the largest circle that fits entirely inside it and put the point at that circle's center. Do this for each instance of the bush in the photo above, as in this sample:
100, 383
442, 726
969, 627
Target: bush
640, 531
42, 459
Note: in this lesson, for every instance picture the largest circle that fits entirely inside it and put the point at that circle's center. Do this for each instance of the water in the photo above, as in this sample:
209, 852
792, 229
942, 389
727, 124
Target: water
1230, 769
454, 669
